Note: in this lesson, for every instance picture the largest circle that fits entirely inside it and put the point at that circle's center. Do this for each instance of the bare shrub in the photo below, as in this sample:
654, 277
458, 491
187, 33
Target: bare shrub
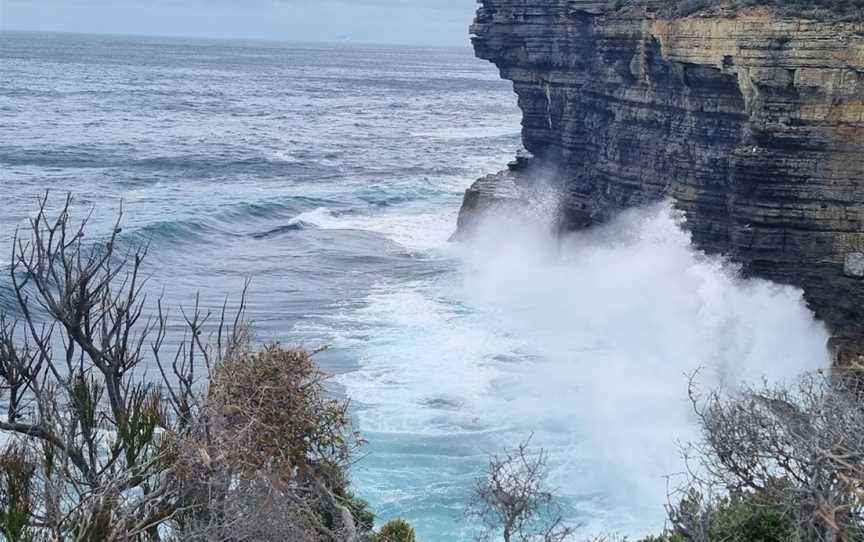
511, 500
796, 452
229, 446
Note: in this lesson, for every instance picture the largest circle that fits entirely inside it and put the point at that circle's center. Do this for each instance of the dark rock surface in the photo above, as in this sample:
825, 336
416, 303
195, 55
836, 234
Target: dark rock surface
751, 121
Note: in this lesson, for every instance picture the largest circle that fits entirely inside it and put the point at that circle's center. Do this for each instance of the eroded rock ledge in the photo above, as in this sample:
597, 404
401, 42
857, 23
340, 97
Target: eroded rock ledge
753, 122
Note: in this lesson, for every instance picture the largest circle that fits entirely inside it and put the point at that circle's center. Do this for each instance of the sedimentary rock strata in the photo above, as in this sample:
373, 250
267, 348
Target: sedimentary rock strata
752, 121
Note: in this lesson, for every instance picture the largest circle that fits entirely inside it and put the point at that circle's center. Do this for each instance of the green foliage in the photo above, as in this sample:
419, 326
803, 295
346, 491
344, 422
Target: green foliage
396, 530
749, 518
16, 494
280, 392
137, 431
362, 512
737, 517
666, 536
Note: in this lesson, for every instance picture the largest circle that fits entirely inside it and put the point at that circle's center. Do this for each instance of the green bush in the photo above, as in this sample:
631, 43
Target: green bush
737, 517
16, 494
396, 530
749, 518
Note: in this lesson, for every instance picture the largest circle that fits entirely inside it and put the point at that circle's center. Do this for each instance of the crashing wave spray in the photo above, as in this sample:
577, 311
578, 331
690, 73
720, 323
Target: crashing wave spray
585, 341
618, 317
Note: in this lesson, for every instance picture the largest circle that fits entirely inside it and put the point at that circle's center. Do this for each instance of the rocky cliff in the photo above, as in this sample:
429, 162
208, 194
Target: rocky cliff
752, 121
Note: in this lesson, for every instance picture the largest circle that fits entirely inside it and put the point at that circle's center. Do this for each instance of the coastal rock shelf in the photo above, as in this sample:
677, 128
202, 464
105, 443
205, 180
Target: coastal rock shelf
753, 122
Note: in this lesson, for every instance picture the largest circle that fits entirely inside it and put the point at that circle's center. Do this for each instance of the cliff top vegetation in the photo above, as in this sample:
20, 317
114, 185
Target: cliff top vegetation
834, 10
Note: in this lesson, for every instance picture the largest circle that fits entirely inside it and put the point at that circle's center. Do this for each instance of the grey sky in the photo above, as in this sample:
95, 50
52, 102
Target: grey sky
422, 22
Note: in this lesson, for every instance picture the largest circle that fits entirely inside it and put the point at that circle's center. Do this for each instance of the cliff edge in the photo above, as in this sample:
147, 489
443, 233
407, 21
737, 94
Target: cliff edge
751, 119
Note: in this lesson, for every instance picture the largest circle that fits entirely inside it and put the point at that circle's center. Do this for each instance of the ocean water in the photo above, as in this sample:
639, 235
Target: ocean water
332, 176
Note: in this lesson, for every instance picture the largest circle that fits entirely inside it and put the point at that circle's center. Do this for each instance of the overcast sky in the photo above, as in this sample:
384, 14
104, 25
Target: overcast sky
419, 22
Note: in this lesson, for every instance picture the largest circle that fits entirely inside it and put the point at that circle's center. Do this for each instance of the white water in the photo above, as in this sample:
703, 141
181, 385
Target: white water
587, 343
414, 229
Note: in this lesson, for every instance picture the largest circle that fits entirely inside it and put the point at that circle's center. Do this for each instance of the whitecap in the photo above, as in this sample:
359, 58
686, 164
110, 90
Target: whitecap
415, 230
585, 342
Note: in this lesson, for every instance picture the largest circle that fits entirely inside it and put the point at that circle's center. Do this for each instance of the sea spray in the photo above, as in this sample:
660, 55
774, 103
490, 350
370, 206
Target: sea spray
586, 342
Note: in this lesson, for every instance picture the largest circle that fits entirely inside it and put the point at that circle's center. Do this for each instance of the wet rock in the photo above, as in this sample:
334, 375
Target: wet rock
752, 121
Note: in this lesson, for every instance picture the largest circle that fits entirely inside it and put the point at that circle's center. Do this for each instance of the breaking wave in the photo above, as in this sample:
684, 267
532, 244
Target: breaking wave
586, 342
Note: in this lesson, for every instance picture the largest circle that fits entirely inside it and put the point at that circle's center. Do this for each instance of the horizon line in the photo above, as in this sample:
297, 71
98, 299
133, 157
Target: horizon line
346, 42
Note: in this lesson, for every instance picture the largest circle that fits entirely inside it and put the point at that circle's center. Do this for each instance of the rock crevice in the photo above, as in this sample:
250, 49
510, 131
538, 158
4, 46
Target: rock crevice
753, 122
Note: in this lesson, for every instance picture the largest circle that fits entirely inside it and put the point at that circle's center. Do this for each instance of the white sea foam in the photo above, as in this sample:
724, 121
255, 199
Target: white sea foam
321, 217
584, 342
471, 132
420, 230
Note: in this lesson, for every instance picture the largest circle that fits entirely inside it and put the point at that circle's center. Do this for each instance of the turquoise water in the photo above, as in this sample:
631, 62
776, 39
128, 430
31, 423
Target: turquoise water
332, 177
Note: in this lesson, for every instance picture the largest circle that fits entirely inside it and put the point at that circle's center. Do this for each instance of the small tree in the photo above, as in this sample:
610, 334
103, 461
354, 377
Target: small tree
510, 500
270, 459
734, 517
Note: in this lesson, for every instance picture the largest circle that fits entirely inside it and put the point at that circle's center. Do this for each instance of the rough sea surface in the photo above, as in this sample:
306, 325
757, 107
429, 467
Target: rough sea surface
331, 176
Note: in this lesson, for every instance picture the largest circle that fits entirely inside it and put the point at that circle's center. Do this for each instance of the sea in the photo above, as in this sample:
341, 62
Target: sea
331, 176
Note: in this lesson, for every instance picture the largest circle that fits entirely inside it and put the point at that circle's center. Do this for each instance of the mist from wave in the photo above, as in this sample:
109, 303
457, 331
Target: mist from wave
586, 342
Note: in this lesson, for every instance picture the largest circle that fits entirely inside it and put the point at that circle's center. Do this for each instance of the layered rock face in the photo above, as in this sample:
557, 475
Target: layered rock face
752, 122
